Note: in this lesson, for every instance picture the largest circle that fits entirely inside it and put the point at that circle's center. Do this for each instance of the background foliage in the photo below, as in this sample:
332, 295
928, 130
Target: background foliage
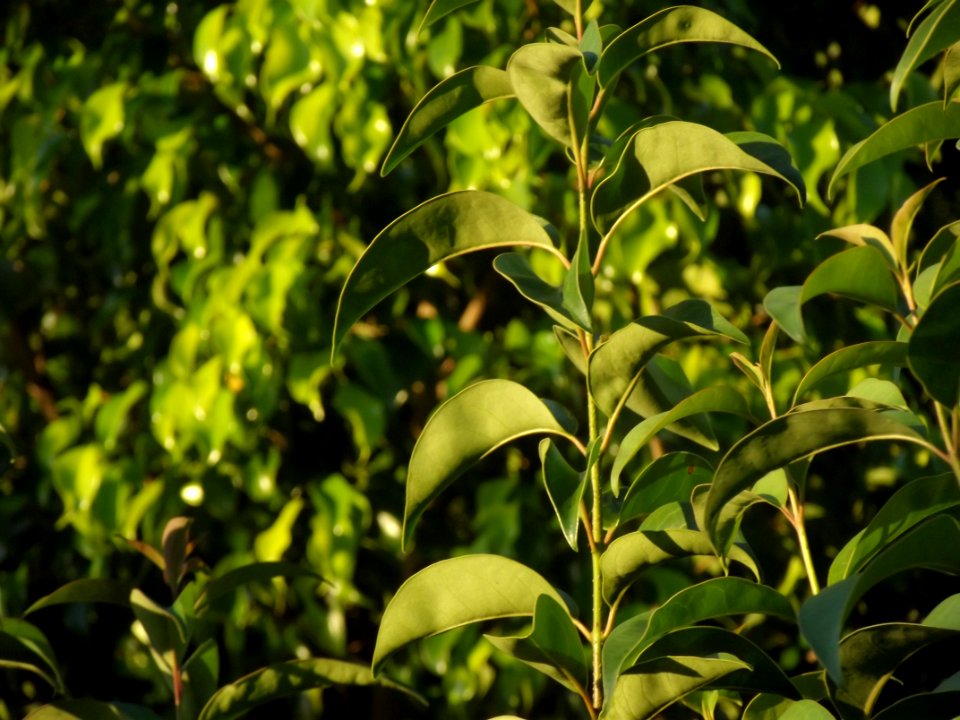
183, 189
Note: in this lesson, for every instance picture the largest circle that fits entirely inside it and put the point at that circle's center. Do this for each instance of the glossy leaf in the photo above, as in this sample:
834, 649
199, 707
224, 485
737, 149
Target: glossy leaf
903, 219
516, 268
931, 545
719, 597
919, 125
565, 487
942, 241
650, 687
937, 32
440, 9
859, 273
879, 352
85, 590
457, 592
862, 234
284, 679
948, 271
464, 429
222, 585
553, 646
441, 228
715, 399
806, 430
675, 25
629, 556
542, 76
615, 366
935, 347
447, 100
577, 290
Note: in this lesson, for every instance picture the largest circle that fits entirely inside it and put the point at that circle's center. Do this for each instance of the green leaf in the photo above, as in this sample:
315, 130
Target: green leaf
880, 352
615, 366
447, 100
910, 505
439, 9
935, 347
931, 545
85, 590
719, 597
516, 268
951, 72
948, 272
929, 706
464, 429
290, 678
862, 234
903, 220
577, 289
222, 585
774, 707
87, 709
24, 647
942, 241
175, 547
869, 656
860, 273
553, 646
542, 76
667, 152
715, 399
675, 25
457, 592
628, 557
920, 125
591, 45
669, 478
807, 429
938, 31
102, 119
650, 687
441, 228
165, 630
565, 487
201, 674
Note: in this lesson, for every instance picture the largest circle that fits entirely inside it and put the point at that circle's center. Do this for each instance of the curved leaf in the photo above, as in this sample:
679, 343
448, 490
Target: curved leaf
675, 25
440, 9
714, 598
629, 556
932, 545
806, 430
441, 228
289, 678
935, 346
516, 268
929, 706
909, 506
669, 478
456, 592
903, 220
862, 234
464, 429
938, 31
715, 399
85, 590
860, 273
774, 707
447, 100
880, 352
614, 367
24, 647
652, 686
920, 125
88, 709
166, 632
225, 584
565, 487
542, 76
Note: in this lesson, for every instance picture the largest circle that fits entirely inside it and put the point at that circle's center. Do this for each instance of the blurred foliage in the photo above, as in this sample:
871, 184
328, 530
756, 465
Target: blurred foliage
183, 188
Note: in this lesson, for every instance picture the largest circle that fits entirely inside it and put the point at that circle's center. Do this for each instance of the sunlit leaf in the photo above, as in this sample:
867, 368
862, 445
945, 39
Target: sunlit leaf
464, 429
577, 289
446, 101
290, 678
862, 234
565, 487
904, 217
543, 78
935, 347
102, 119
457, 592
808, 429
937, 32
774, 707
669, 478
669, 27
436, 230
878, 352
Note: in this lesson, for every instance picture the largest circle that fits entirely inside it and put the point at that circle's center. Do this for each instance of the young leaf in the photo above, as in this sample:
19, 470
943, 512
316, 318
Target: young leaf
464, 429
85, 590
862, 234
879, 352
290, 678
858, 272
577, 290
542, 78
440, 9
565, 487
937, 32
447, 100
669, 478
914, 127
935, 346
456, 592
176, 547
553, 646
652, 686
675, 25
201, 675
932, 545
441, 228
903, 220
806, 430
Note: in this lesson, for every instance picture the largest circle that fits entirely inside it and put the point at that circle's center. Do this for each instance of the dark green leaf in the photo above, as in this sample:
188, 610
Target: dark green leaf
577, 290
201, 677
862, 234
86, 590
434, 231
565, 488
464, 429
24, 647
457, 592
948, 270
938, 31
669, 27
446, 101
669, 478
165, 630
935, 347
218, 587
929, 706
441, 8
87, 709
880, 352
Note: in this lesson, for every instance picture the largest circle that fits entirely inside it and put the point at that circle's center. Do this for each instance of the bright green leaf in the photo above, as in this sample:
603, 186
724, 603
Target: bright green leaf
577, 288
565, 487
938, 31
903, 220
862, 234
774, 707
879, 352
542, 76
102, 119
